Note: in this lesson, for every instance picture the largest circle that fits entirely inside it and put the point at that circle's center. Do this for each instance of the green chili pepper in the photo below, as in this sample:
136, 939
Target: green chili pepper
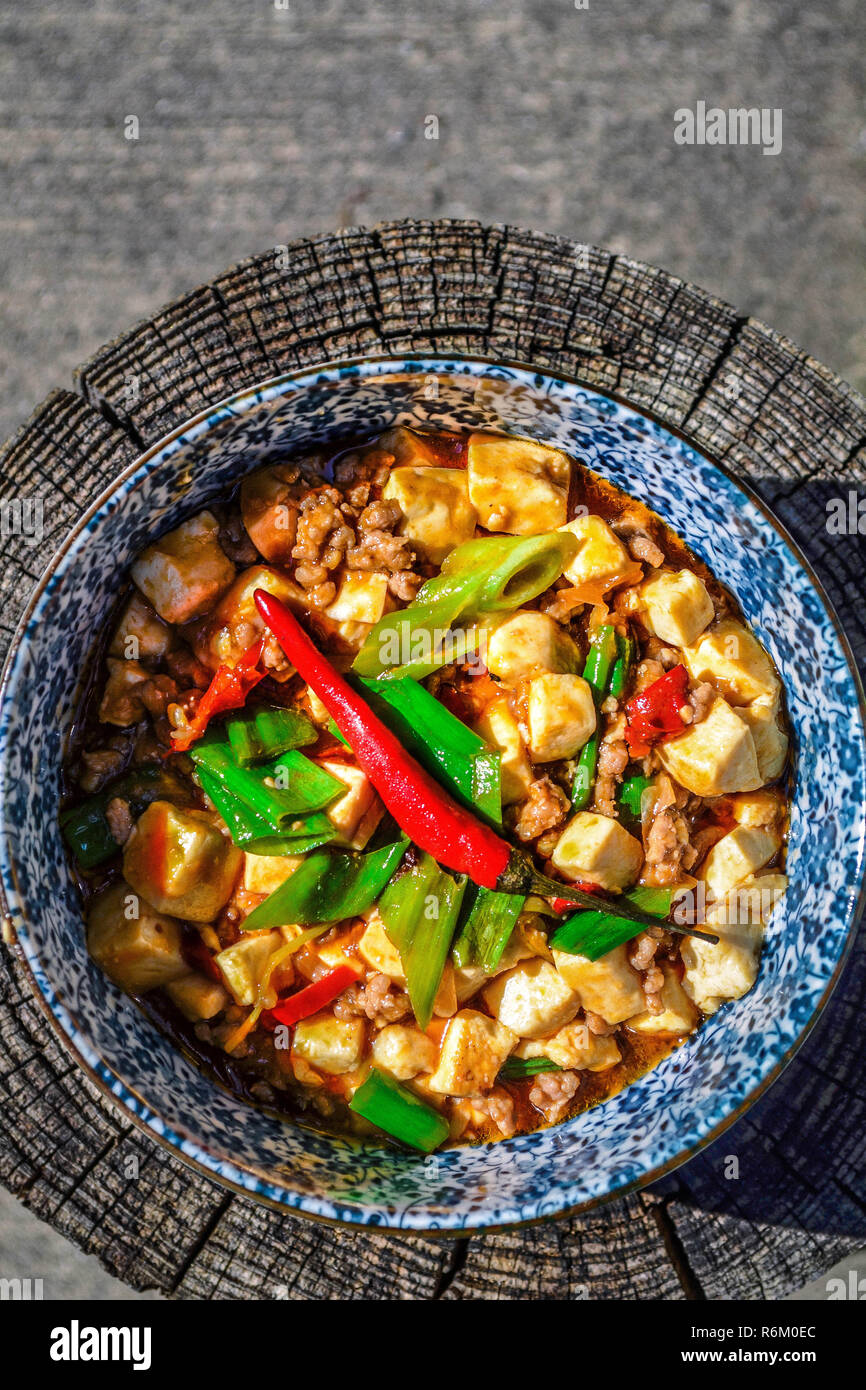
597, 672
621, 673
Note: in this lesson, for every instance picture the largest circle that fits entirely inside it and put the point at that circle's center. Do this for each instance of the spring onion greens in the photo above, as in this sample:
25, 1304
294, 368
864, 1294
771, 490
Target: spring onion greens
630, 794
520, 1068
277, 791
486, 927
254, 834
394, 1109
328, 886
420, 911
593, 934
260, 735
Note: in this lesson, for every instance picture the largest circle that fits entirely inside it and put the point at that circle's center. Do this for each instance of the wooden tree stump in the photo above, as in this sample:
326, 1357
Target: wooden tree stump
737, 390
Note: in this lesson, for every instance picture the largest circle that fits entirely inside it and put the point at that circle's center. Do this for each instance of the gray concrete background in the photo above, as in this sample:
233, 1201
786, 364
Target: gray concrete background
258, 124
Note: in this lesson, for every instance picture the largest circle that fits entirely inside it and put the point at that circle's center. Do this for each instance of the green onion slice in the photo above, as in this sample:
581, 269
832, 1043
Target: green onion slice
486, 927
262, 734
329, 886
396, 1110
593, 934
420, 910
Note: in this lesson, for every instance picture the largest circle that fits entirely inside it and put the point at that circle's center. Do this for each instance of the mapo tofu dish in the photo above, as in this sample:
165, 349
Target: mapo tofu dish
427, 789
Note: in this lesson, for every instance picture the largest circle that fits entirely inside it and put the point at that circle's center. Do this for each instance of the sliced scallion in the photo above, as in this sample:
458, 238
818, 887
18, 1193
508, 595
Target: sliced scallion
486, 927
420, 911
328, 886
519, 1068
262, 734
396, 1110
593, 934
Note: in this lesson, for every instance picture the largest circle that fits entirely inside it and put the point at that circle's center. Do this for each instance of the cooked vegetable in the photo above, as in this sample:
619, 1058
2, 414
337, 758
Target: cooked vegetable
228, 690
85, 827
421, 808
255, 834
442, 744
519, 1068
486, 927
420, 910
630, 793
491, 575
654, 715
266, 732
314, 997
593, 934
329, 886
180, 863
394, 1109
621, 673
597, 672
277, 791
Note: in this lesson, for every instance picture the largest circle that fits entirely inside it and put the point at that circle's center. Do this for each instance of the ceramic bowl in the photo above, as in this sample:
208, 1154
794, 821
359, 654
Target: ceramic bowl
667, 1115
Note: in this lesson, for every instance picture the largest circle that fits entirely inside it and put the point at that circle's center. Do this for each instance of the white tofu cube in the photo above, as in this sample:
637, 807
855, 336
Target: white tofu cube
243, 964
599, 850
408, 447
198, 997
715, 756
140, 632
763, 807
526, 643
732, 659
333, 1045
498, 726
318, 712
560, 716
378, 951
677, 606
602, 561
263, 873
473, 1049
532, 999
737, 855
437, 512
763, 717
361, 598
269, 507
574, 1048
183, 573
138, 951
517, 486
608, 987
403, 1052
348, 813
678, 1015
727, 970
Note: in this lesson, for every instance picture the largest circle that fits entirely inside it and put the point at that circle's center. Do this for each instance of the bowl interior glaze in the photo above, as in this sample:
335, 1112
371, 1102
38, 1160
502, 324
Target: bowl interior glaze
666, 1115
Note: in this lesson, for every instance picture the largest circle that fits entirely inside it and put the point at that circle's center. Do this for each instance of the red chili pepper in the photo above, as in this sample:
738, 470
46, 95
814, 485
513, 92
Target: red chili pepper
567, 904
423, 809
654, 715
228, 690
311, 999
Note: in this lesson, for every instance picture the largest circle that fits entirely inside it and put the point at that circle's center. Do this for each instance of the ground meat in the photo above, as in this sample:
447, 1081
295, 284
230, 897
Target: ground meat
646, 673
667, 847
613, 757
187, 669
598, 1025
642, 952
699, 702
642, 548
499, 1106
375, 1000
319, 516
156, 694
235, 542
653, 984
119, 818
703, 840
552, 1091
545, 807
99, 767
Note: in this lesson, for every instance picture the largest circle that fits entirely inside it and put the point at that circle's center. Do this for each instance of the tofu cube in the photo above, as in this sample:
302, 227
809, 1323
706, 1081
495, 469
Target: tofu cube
517, 486
263, 873
602, 561
532, 999
137, 947
763, 807
243, 964
140, 632
560, 716
403, 1052
727, 970
677, 607
608, 987
737, 855
378, 951
198, 997
763, 717
526, 643
732, 659
678, 1015
269, 508
348, 813
408, 447
121, 699
333, 1045
180, 862
318, 712
715, 756
599, 850
360, 598
183, 573
437, 512
574, 1048
333, 953
473, 1049
498, 726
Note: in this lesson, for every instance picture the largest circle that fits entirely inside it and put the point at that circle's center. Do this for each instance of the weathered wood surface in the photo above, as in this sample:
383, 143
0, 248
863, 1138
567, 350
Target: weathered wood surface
736, 388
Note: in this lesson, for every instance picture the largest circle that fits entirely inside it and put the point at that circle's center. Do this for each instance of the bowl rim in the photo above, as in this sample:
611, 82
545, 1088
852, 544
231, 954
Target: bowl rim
229, 1173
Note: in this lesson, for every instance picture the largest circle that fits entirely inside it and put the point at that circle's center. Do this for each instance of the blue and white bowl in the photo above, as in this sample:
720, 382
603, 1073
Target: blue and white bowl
664, 1117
